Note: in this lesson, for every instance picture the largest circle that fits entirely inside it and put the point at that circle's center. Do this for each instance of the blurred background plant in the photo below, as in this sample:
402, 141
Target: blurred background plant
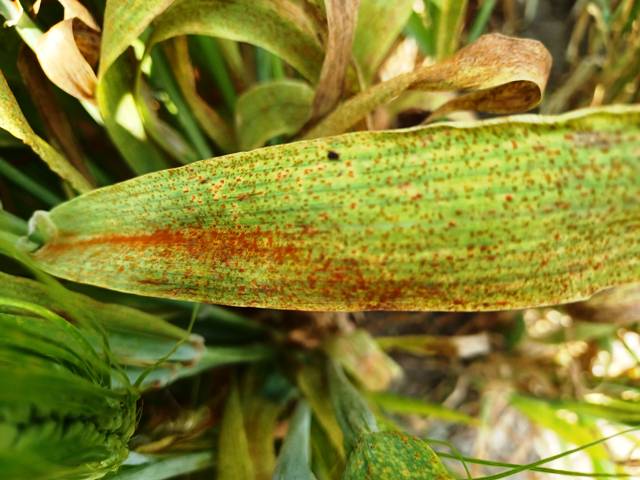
492, 392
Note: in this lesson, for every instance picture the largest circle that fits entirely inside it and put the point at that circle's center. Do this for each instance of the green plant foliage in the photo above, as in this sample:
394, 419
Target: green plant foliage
60, 418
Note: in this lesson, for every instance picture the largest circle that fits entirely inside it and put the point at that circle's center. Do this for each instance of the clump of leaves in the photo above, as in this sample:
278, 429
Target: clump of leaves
297, 205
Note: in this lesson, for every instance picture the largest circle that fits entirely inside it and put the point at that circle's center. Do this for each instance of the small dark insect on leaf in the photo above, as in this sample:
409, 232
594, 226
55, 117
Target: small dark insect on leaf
331, 155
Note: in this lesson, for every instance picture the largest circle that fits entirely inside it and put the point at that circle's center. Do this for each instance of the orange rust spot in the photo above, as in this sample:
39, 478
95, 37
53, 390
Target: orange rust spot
214, 244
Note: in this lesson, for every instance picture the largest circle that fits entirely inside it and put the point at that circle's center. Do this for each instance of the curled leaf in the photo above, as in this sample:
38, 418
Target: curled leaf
13, 121
506, 75
282, 27
75, 9
124, 21
280, 107
341, 18
501, 214
64, 64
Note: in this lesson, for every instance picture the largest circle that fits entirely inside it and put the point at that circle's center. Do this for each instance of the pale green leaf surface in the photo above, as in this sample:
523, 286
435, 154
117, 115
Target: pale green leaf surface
13, 121
378, 26
279, 107
280, 26
500, 214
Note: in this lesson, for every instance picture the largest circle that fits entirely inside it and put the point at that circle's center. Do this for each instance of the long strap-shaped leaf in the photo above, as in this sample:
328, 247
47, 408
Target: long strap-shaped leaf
505, 213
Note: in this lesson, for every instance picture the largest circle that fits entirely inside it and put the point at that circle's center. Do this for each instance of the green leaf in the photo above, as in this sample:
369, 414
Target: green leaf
59, 417
407, 405
13, 121
210, 121
279, 107
282, 27
122, 119
234, 457
165, 467
379, 24
294, 459
570, 430
352, 412
124, 22
448, 23
500, 214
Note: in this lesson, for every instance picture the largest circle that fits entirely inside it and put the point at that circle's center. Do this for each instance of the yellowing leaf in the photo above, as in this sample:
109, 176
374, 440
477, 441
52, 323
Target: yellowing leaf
506, 75
13, 121
500, 214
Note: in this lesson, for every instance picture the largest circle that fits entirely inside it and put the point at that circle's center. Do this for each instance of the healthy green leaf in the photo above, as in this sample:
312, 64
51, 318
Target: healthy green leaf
279, 107
448, 22
407, 405
499, 214
13, 121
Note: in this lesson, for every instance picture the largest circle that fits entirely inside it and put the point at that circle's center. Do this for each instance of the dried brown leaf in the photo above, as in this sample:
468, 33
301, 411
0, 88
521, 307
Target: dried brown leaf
342, 16
55, 120
75, 9
504, 75
63, 63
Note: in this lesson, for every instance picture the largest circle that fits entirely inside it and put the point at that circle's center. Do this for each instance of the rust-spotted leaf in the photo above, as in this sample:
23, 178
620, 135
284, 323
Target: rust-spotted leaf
500, 214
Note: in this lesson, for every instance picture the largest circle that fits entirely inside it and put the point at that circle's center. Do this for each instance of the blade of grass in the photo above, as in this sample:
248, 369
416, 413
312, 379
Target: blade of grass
407, 405
184, 115
210, 57
482, 19
285, 32
378, 26
23, 181
209, 120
